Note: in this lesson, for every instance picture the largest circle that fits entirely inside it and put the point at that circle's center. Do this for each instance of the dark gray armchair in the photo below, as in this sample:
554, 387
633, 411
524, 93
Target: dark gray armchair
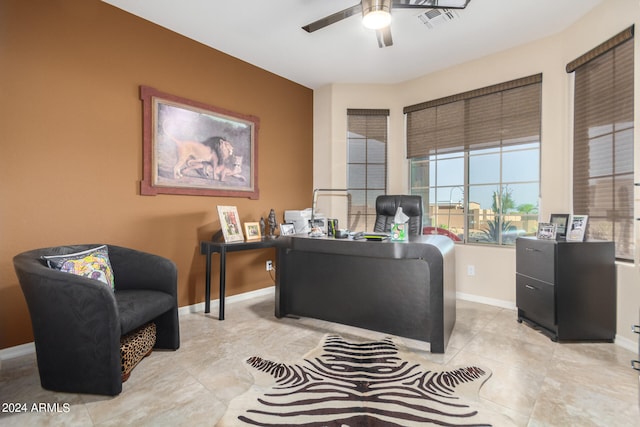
78, 322
386, 207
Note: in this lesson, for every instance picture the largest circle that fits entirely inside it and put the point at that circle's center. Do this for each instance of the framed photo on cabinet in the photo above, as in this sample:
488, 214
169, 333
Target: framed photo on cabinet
577, 228
561, 221
546, 231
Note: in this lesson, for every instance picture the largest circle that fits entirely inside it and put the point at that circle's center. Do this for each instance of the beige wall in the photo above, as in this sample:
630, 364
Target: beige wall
71, 144
494, 281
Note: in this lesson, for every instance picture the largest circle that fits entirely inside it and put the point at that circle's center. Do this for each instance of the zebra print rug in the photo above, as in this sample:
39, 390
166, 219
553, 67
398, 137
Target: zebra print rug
342, 383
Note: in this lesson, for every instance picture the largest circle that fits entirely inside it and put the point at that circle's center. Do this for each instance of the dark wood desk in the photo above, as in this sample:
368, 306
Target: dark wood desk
211, 247
401, 288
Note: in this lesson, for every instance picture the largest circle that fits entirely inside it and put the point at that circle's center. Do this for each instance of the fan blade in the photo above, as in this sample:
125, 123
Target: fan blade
430, 4
333, 18
384, 37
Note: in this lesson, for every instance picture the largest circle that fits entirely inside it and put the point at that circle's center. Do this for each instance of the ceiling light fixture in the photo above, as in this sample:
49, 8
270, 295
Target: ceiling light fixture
376, 14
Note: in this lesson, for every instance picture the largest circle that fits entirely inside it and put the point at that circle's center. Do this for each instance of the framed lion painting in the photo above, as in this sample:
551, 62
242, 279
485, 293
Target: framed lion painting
197, 149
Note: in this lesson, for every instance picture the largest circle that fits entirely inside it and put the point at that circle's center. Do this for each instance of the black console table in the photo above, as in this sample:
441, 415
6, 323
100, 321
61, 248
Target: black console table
210, 247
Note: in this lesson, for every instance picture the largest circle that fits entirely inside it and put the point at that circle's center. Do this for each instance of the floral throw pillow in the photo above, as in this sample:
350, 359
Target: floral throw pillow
92, 263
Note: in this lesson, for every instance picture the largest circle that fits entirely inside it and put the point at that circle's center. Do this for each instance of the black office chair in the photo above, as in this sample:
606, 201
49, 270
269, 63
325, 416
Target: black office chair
386, 207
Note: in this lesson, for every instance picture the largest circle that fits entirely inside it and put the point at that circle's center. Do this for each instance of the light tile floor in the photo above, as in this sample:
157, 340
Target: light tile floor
535, 381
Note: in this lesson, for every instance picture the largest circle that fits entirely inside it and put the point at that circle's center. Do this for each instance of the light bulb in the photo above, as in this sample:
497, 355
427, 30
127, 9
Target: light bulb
376, 19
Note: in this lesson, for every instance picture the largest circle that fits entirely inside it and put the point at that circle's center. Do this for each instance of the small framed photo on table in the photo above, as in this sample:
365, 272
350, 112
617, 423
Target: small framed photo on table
230, 224
287, 229
252, 230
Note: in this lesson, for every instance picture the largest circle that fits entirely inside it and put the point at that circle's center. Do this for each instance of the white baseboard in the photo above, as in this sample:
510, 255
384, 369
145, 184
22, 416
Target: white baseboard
626, 343
215, 303
619, 340
484, 300
17, 351
29, 348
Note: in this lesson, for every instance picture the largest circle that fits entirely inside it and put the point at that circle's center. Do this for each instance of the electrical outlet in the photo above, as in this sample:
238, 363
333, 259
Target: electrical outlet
471, 270
269, 265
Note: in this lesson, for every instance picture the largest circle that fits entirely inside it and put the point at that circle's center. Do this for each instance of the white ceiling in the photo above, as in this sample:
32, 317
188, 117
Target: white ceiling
268, 34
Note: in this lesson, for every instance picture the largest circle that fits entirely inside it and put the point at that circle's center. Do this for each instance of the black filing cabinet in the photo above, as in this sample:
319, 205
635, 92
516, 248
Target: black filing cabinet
567, 290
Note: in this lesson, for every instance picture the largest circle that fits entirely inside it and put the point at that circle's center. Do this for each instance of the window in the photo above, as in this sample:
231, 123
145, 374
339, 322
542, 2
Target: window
475, 159
366, 165
603, 142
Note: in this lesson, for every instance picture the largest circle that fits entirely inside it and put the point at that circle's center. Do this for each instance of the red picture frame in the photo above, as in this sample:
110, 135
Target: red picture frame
192, 148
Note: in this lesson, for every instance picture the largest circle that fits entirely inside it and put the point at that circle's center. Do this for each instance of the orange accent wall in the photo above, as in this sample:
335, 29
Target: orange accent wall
71, 143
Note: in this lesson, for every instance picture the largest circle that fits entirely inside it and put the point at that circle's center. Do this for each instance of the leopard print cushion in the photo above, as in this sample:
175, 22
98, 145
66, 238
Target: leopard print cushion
135, 346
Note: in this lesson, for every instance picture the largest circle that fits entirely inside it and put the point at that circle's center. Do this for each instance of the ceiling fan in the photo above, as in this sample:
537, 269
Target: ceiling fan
376, 14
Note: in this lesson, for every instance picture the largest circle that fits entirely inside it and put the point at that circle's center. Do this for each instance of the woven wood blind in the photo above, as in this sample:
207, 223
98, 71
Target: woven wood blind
367, 112
501, 114
370, 124
602, 48
603, 143
366, 164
